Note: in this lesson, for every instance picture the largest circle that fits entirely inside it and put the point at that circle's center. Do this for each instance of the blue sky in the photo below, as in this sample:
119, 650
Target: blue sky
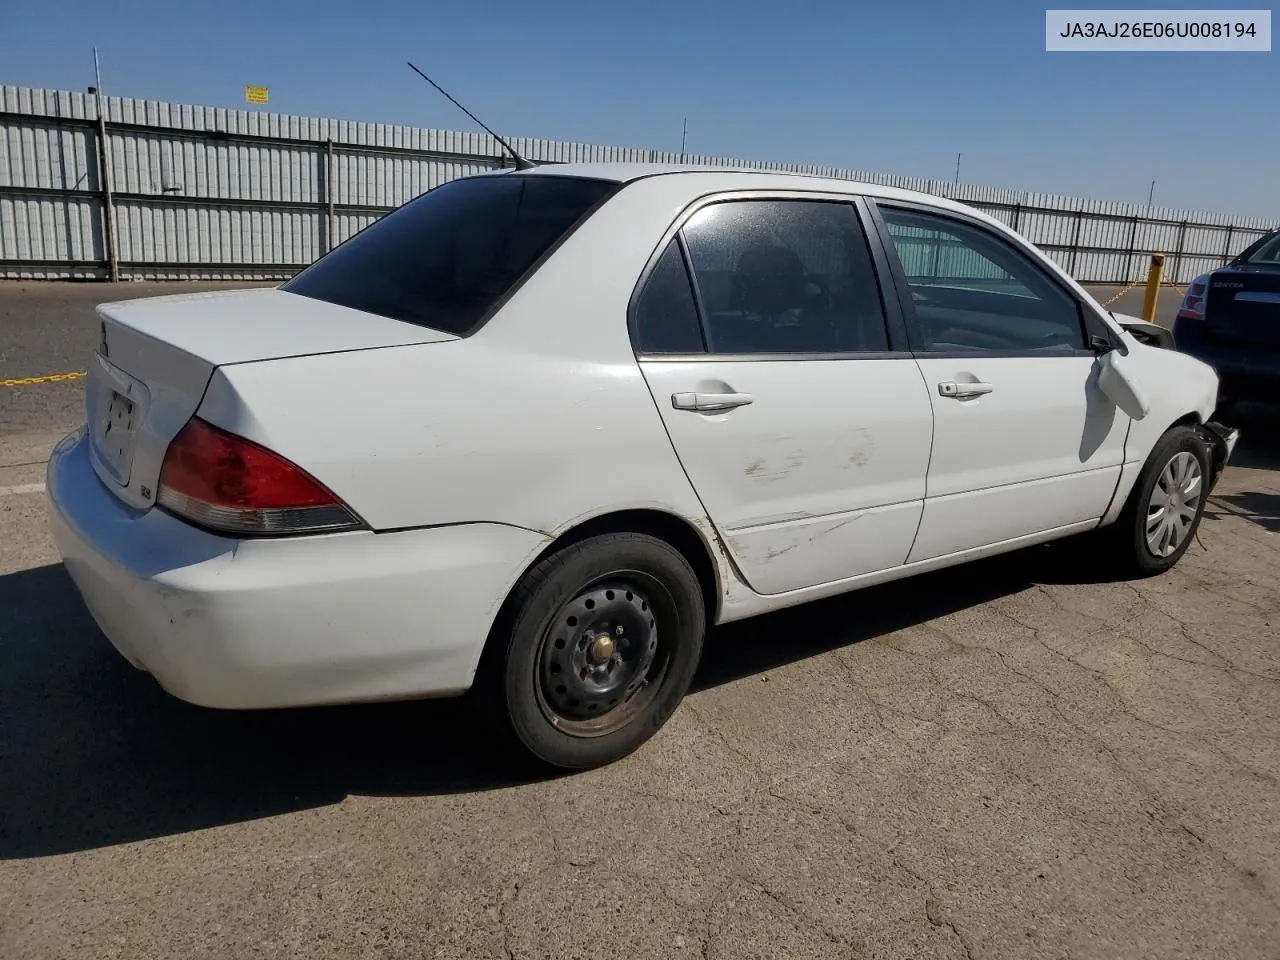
898, 88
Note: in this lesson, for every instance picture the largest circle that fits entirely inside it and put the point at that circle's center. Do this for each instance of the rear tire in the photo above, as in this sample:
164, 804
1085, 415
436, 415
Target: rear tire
1163, 513
596, 648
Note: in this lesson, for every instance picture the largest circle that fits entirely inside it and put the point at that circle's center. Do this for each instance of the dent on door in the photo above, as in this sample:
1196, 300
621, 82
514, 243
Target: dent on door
819, 478
829, 507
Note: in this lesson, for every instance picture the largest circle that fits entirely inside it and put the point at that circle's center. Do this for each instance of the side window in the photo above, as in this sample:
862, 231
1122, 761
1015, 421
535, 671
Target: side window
972, 290
665, 319
785, 276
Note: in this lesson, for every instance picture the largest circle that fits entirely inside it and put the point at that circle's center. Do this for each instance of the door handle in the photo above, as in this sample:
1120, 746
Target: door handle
710, 402
962, 391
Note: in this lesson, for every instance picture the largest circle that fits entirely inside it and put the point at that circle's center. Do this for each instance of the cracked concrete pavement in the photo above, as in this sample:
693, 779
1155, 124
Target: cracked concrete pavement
1015, 758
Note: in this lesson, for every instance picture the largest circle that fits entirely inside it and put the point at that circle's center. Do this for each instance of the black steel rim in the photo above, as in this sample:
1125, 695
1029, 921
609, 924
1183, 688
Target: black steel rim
604, 654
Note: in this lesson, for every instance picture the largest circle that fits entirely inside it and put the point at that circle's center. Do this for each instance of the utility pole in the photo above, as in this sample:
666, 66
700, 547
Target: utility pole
958, 156
1151, 193
684, 138
104, 176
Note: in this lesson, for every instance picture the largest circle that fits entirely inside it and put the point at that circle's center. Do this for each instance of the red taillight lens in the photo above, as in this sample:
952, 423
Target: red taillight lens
227, 483
1192, 307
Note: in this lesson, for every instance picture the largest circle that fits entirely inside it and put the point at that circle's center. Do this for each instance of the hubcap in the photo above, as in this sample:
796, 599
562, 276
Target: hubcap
1175, 500
598, 656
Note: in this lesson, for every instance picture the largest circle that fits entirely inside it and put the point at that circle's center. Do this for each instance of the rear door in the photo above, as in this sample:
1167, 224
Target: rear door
797, 413
1024, 440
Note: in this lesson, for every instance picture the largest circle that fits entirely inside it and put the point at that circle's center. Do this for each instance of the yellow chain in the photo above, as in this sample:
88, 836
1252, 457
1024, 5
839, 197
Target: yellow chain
1138, 283
52, 378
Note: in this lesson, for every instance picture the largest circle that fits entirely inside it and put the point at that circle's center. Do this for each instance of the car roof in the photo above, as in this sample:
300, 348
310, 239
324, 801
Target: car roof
738, 177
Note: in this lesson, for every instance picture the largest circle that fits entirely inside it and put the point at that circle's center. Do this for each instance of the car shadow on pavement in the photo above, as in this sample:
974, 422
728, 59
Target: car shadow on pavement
93, 753
751, 647
1256, 507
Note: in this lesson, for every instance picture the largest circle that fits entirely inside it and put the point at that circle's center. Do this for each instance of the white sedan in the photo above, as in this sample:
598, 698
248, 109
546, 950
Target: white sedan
535, 431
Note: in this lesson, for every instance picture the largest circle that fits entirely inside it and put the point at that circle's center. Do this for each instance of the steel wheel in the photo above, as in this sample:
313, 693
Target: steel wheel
601, 657
1174, 503
596, 648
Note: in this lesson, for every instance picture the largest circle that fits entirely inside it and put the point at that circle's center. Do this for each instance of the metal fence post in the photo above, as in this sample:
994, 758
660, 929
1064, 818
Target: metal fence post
1226, 246
1017, 216
104, 179
329, 172
1176, 274
1128, 257
1075, 242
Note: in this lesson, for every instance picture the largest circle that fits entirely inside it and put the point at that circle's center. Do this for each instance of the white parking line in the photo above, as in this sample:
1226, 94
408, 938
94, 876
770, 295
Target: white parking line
21, 488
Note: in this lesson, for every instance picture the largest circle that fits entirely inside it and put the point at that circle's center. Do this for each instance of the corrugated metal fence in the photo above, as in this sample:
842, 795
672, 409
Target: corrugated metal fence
217, 193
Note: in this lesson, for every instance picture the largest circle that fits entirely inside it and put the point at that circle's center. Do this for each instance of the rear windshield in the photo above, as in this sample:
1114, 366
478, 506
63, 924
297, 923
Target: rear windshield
445, 259
1268, 251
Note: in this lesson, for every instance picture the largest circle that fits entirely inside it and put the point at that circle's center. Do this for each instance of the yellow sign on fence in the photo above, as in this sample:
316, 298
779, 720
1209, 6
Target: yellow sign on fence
255, 94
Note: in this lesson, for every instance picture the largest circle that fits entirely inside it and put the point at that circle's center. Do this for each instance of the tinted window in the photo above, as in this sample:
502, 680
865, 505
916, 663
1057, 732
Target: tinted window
666, 320
1266, 252
972, 290
444, 259
785, 276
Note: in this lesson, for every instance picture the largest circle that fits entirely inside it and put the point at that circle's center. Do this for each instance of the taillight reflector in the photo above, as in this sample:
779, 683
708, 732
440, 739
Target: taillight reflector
225, 482
1193, 302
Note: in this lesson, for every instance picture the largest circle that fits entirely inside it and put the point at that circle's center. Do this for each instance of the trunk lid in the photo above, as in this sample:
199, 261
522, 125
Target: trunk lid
155, 357
1243, 305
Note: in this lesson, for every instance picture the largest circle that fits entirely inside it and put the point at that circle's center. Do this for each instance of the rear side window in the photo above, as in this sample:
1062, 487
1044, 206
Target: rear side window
665, 317
448, 257
785, 276
1265, 252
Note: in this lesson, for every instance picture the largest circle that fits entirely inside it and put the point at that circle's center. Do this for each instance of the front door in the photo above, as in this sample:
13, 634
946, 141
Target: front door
762, 336
1024, 441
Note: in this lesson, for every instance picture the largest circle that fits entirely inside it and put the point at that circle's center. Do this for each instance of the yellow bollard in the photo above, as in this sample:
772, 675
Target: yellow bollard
1154, 276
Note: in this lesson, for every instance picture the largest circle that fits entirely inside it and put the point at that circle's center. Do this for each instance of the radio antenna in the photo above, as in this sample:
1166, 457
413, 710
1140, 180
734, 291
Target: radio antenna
521, 162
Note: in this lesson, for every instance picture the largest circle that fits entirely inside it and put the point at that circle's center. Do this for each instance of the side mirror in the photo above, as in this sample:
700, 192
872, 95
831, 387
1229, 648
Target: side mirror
1116, 382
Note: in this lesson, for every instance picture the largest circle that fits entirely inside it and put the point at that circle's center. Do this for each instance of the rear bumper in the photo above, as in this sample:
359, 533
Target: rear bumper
244, 624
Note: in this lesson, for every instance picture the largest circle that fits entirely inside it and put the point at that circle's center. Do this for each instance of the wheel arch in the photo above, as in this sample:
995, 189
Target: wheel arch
1132, 469
685, 536
1143, 435
1214, 436
671, 528
1130, 544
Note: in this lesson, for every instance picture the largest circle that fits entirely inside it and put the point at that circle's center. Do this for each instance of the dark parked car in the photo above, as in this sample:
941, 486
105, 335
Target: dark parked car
1230, 319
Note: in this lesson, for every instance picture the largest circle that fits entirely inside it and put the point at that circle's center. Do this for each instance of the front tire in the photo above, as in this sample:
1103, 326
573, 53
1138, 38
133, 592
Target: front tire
597, 648
1164, 510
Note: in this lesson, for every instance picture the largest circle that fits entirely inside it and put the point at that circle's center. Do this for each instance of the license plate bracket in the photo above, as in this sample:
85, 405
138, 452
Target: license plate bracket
116, 407
114, 434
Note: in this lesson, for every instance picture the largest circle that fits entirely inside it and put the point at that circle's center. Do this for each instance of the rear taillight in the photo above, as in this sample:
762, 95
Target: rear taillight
1192, 307
226, 483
